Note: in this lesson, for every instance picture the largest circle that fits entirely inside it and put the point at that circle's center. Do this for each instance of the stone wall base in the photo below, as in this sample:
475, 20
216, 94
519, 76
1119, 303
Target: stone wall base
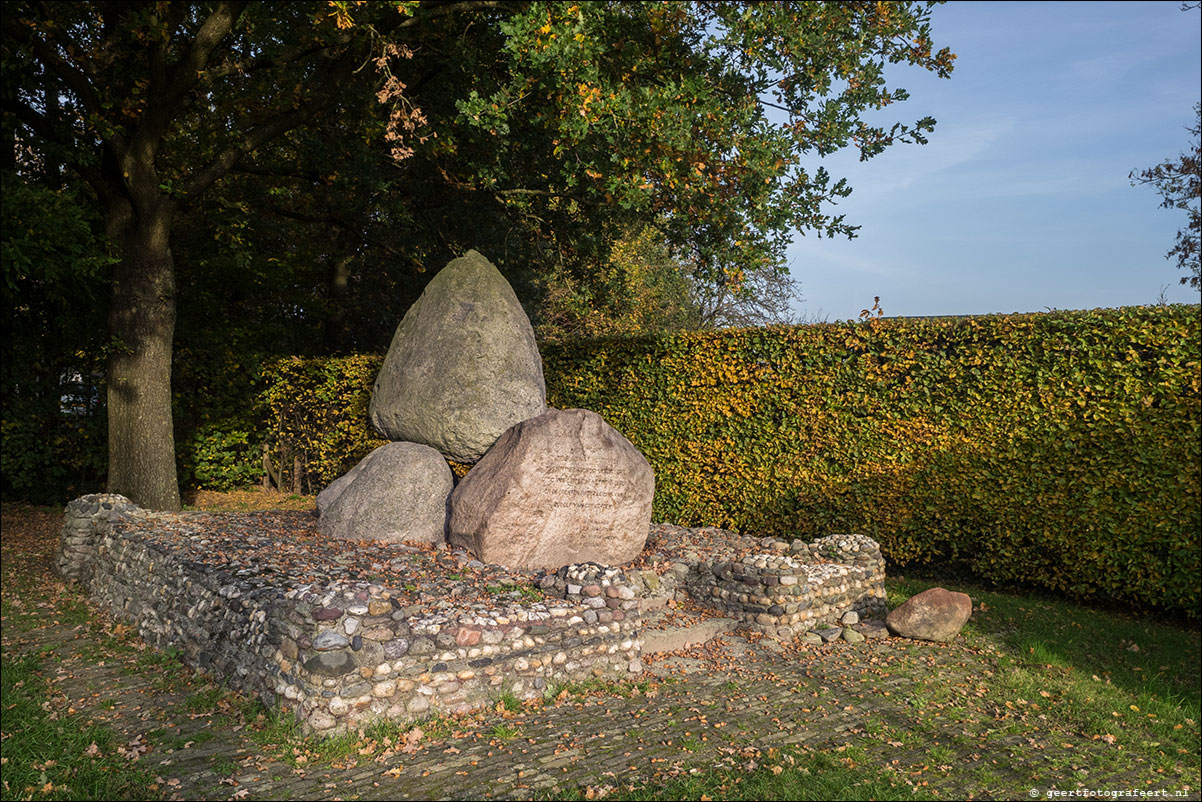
339, 654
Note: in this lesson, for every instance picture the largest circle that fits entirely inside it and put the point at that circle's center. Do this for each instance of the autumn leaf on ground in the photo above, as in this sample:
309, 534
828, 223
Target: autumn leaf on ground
411, 739
135, 749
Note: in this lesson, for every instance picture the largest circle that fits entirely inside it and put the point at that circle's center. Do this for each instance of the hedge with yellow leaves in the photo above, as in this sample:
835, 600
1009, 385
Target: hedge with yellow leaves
1057, 450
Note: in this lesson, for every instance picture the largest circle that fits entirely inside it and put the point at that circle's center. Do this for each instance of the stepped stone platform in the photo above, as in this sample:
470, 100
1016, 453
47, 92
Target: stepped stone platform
341, 632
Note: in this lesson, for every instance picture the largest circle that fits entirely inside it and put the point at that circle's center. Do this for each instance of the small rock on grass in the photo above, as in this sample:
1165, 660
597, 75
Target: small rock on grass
935, 614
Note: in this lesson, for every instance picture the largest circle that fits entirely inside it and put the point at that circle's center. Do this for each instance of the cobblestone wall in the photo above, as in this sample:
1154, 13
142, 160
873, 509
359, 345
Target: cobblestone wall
778, 587
341, 653
86, 518
781, 596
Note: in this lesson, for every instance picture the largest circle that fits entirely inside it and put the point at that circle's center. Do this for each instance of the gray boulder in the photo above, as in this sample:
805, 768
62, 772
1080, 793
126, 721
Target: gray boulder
334, 489
561, 488
463, 365
935, 614
398, 492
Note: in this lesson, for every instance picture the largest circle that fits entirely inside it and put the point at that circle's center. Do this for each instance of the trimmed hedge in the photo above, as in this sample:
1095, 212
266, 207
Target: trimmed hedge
318, 417
1060, 450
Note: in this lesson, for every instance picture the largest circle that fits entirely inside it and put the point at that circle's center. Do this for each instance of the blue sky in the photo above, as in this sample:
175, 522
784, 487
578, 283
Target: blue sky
1021, 200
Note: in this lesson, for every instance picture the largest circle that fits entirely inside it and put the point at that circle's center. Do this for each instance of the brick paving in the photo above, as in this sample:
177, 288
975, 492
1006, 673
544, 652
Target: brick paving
716, 704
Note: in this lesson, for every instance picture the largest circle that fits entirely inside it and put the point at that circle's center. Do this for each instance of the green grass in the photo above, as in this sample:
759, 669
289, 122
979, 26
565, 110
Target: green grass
49, 754
509, 703
504, 732
205, 700
789, 774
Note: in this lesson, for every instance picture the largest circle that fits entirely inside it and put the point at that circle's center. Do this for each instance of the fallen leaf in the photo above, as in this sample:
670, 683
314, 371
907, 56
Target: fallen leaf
411, 739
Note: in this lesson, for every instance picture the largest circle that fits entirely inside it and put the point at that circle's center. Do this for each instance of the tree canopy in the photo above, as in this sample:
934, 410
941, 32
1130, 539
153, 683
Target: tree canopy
1180, 186
288, 175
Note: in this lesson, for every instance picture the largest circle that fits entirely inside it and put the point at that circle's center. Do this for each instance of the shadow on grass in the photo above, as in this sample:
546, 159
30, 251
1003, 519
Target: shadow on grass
1137, 655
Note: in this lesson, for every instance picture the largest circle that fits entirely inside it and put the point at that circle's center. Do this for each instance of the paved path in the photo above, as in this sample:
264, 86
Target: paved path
722, 704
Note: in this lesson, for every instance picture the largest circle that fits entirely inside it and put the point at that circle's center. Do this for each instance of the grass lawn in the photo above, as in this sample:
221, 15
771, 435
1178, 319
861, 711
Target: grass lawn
1045, 695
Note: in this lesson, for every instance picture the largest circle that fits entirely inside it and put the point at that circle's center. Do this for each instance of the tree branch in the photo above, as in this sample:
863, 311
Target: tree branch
337, 222
45, 127
451, 8
75, 78
273, 127
187, 72
265, 61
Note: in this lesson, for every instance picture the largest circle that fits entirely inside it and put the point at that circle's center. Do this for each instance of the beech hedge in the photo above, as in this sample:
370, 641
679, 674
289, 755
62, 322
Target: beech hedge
1057, 450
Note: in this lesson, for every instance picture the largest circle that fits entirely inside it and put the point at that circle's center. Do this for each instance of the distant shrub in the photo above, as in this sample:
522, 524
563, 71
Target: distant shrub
50, 459
318, 416
219, 458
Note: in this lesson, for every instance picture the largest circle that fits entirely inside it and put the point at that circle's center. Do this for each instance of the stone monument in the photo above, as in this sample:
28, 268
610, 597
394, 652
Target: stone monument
561, 488
463, 380
463, 365
397, 492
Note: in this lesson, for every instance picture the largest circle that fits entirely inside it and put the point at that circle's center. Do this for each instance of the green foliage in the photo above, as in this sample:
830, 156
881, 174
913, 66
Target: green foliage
1058, 450
48, 241
642, 288
218, 411
661, 108
54, 308
221, 459
318, 416
52, 458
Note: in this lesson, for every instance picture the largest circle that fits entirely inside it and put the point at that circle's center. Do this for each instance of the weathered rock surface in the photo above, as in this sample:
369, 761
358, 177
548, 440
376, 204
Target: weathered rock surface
398, 492
935, 614
564, 487
334, 489
463, 365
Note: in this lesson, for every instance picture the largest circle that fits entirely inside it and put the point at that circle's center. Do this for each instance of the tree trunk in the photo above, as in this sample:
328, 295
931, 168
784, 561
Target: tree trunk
142, 322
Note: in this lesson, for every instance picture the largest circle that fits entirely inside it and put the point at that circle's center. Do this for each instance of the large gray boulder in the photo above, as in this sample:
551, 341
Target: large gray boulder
463, 365
561, 488
936, 614
397, 492
334, 489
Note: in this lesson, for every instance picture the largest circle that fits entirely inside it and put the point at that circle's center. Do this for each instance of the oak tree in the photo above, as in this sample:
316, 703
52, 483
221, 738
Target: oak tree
403, 132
